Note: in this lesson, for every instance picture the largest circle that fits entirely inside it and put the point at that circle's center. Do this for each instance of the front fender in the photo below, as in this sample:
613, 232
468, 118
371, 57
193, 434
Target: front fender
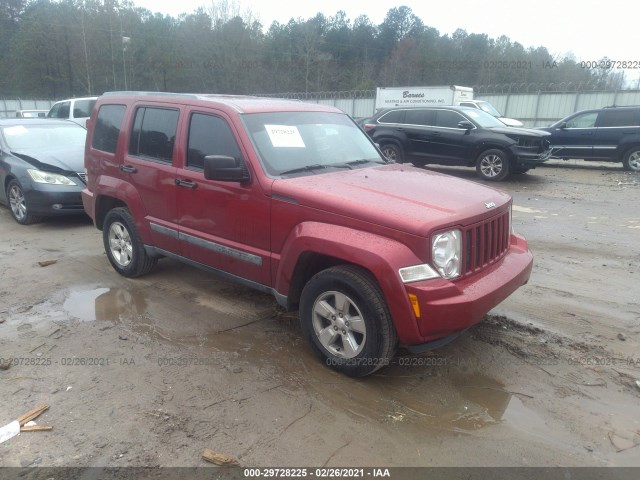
381, 256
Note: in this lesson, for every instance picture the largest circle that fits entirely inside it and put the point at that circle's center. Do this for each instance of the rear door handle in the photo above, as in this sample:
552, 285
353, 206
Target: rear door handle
186, 183
435, 133
128, 168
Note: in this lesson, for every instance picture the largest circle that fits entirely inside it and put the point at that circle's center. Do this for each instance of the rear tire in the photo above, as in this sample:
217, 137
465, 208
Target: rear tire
392, 152
631, 160
344, 316
493, 165
124, 246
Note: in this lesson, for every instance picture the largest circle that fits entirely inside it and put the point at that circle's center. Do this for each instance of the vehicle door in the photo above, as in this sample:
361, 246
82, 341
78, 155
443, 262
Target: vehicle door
149, 166
448, 142
223, 225
418, 131
615, 127
576, 137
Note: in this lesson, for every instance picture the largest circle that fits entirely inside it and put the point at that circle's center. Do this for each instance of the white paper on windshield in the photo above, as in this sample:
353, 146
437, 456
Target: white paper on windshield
17, 130
285, 136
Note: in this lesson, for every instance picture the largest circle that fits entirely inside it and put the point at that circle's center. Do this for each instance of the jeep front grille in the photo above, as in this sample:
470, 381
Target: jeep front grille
485, 243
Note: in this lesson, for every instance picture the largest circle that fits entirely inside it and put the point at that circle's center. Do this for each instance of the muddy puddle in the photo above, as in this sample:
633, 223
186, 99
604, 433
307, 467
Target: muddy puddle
423, 393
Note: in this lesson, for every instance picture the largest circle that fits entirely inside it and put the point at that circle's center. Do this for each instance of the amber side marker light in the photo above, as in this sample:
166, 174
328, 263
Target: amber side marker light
415, 305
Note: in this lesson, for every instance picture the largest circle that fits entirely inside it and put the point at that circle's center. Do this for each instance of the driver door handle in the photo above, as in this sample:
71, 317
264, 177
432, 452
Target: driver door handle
127, 168
186, 183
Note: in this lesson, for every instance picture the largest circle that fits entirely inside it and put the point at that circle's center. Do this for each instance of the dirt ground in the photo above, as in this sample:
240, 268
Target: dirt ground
151, 371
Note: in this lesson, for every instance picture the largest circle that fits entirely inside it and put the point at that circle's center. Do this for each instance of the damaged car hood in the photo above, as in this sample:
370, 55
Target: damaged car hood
68, 159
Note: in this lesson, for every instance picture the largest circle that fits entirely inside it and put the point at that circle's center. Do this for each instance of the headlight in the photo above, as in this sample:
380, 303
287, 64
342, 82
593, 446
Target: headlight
446, 252
39, 176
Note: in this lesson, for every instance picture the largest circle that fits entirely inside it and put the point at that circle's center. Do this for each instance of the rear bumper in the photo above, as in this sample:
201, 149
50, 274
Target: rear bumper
447, 308
88, 203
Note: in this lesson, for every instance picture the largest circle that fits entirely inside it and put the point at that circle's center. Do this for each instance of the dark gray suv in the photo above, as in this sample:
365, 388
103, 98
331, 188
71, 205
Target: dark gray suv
458, 136
610, 134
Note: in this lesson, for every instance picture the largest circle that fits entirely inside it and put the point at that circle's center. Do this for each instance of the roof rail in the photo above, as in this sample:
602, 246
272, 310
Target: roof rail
153, 94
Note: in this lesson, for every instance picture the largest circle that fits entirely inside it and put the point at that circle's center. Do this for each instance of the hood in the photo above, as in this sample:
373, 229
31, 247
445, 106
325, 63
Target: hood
511, 122
518, 131
397, 196
67, 159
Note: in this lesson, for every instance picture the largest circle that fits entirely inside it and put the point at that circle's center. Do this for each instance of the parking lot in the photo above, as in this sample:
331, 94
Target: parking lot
150, 371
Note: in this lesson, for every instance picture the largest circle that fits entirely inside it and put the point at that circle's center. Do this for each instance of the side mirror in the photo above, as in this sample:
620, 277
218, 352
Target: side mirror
467, 125
225, 169
562, 126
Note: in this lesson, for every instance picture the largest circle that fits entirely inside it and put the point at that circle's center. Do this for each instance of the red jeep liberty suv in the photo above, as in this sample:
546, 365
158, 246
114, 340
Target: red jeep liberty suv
295, 200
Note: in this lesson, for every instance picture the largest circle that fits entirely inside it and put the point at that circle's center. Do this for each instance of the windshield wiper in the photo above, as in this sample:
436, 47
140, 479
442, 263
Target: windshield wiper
315, 166
364, 160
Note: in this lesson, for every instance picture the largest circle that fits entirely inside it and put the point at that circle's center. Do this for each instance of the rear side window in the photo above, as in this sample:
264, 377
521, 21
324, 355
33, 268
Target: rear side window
82, 108
420, 117
618, 118
107, 129
154, 133
394, 116
209, 135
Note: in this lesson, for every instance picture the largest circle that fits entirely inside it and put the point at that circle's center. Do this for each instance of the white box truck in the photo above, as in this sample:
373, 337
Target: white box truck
387, 97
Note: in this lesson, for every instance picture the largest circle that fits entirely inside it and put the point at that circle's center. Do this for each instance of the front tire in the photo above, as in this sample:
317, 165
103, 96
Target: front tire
344, 316
18, 205
492, 165
124, 246
631, 160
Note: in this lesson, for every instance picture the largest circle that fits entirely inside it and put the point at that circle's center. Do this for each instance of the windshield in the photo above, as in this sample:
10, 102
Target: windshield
294, 140
490, 109
35, 137
483, 119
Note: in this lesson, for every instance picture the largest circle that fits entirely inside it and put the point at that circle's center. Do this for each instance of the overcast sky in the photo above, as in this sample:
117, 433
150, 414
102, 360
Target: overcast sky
588, 29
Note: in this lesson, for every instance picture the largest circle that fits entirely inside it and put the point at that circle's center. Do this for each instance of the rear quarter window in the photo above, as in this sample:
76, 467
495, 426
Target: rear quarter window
107, 128
619, 118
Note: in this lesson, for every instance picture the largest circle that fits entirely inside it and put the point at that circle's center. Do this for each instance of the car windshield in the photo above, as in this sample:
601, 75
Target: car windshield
309, 142
40, 136
490, 109
483, 119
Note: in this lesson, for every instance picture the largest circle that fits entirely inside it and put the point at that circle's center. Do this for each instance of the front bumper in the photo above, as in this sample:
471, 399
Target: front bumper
530, 160
53, 200
447, 308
